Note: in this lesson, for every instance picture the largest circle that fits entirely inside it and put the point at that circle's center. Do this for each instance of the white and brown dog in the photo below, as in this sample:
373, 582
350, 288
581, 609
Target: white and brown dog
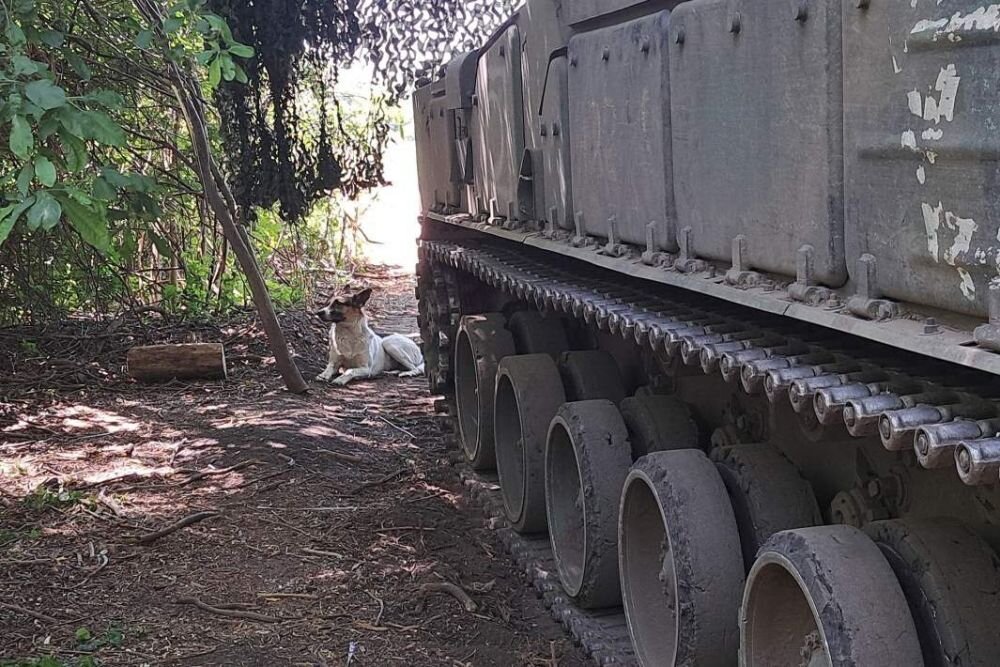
359, 351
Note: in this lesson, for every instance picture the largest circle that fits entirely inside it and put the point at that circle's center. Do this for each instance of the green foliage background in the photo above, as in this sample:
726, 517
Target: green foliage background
101, 210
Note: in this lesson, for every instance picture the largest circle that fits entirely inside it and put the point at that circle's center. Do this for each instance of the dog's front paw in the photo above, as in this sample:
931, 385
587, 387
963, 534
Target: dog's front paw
411, 374
341, 381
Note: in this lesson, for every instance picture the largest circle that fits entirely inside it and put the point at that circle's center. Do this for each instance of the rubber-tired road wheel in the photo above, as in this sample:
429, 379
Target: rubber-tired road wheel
528, 392
586, 461
767, 493
481, 343
591, 374
658, 423
681, 571
951, 580
536, 334
825, 596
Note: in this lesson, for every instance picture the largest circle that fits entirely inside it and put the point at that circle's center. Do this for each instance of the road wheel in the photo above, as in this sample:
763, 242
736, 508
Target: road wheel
482, 342
951, 580
825, 596
679, 553
658, 423
767, 493
529, 391
536, 334
587, 457
591, 374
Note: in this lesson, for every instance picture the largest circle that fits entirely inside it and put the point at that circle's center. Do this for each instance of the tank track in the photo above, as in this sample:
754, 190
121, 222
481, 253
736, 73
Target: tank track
603, 634
947, 415
439, 311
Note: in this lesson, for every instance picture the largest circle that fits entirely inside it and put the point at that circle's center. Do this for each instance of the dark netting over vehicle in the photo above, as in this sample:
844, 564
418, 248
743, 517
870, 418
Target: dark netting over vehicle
287, 136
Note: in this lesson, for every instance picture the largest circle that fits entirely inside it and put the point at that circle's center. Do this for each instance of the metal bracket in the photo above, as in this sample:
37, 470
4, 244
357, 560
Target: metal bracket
613, 248
740, 275
581, 240
551, 230
494, 213
988, 335
804, 288
686, 261
652, 256
511, 223
867, 302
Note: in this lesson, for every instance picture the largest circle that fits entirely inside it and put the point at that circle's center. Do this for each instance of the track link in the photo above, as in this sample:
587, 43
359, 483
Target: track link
603, 633
949, 415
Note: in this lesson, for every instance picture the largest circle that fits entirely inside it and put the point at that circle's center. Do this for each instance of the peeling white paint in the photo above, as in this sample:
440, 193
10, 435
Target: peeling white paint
944, 106
931, 156
932, 134
968, 285
983, 18
932, 221
916, 103
964, 229
921, 175
909, 140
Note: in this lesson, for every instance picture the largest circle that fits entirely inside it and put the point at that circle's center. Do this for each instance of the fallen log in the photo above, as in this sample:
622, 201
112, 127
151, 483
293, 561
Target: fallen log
192, 361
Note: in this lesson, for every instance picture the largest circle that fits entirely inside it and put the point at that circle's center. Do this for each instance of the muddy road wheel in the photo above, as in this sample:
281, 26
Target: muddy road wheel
591, 374
767, 493
681, 570
951, 580
658, 423
536, 334
481, 343
529, 391
587, 458
825, 596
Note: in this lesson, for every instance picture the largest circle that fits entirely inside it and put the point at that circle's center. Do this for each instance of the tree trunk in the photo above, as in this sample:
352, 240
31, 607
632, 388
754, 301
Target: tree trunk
188, 95
161, 363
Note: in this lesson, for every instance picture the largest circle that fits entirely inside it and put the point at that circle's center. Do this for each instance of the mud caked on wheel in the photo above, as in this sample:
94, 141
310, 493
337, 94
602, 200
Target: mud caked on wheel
536, 334
529, 391
481, 343
591, 374
586, 460
681, 571
951, 580
658, 423
825, 596
767, 493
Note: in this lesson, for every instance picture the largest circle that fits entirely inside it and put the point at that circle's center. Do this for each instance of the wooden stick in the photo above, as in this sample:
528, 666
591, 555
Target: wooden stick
228, 613
177, 525
33, 614
454, 591
303, 596
201, 474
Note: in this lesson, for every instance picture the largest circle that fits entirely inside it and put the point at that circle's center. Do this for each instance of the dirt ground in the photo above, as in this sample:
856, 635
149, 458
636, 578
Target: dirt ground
326, 527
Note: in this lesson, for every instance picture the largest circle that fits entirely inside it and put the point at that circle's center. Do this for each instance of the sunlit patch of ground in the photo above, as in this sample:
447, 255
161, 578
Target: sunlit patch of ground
327, 514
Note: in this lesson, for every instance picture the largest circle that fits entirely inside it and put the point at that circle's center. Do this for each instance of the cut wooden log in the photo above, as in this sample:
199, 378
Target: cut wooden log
193, 361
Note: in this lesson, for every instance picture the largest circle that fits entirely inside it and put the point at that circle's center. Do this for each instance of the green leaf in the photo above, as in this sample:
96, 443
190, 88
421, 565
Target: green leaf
45, 171
74, 151
100, 127
172, 25
9, 216
22, 142
103, 190
45, 94
88, 221
25, 178
241, 76
241, 50
106, 98
228, 67
53, 38
161, 245
144, 39
79, 66
215, 73
14, 34
82, 634
25, 66
45, 213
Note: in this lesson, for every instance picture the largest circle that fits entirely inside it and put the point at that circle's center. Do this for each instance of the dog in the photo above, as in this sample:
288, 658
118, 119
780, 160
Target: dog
358, 350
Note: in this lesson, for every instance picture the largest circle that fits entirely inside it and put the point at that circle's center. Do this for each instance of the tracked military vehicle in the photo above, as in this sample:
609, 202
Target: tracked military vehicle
714, 286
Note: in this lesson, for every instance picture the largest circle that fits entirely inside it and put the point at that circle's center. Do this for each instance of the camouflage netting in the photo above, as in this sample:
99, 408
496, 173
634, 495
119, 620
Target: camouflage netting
287, 138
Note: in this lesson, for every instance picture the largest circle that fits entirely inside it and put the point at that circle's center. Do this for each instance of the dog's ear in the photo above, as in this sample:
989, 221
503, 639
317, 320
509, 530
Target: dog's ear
361, 298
